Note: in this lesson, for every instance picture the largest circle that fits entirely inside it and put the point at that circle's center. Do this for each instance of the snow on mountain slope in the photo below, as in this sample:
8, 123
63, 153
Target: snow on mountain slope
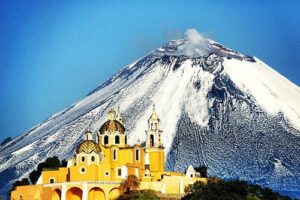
273, 92
218, 108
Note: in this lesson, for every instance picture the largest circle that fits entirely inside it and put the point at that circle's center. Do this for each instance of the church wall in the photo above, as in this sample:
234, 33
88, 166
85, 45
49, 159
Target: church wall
105, 166
154, 185
156, 158
59, 175
85, 173
87, 159
123, 156
161, 161
31, 192
140, 162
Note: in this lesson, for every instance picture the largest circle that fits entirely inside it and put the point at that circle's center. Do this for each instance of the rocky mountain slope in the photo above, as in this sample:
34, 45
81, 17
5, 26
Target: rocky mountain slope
219, 108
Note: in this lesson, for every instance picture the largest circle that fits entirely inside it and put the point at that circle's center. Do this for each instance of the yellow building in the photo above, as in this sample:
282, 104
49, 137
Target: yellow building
98, 168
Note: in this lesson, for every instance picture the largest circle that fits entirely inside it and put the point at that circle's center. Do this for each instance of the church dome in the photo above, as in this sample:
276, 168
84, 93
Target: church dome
112, 126
88, 146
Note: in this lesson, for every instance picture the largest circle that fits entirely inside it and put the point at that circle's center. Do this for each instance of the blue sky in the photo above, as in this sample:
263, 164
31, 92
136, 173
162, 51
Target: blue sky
52, 53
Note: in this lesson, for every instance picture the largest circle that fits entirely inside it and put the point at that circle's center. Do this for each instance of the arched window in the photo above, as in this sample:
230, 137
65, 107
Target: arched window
114, 154
82, 159
151, 140
117, 139
137, 154
106, 140
93, 158
125, 139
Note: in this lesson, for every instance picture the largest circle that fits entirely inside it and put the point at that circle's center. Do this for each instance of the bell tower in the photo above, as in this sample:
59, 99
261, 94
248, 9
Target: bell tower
153, 133
154, 150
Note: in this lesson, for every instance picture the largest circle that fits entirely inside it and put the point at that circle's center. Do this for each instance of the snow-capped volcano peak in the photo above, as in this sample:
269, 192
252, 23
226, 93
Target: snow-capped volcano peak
218, 108
274, 93
195, 45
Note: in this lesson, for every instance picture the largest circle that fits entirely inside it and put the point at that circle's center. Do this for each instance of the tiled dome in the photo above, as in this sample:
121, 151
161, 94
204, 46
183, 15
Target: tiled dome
112, 126
88, 146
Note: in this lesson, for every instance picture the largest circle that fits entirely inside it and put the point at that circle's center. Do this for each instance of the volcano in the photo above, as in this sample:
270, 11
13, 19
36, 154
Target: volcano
219, 108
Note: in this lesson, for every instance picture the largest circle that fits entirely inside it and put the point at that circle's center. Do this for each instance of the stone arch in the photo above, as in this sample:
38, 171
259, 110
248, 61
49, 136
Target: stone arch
56, 194
114, 193
74, 193
96, 193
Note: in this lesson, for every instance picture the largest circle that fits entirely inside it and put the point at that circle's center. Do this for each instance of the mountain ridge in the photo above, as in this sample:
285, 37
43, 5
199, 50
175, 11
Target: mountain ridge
197, 100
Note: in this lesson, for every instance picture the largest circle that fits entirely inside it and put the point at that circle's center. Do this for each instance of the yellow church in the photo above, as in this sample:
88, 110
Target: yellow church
98, 168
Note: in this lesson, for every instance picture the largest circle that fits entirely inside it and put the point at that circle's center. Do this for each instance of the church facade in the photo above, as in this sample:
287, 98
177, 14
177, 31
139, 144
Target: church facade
98, 167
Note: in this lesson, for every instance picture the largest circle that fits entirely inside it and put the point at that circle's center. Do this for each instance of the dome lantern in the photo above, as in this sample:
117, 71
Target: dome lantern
112, 114
88, 135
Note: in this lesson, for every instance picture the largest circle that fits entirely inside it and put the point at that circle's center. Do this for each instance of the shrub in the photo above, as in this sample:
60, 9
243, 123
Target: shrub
230, 190
129, 184
139, 195
202, 170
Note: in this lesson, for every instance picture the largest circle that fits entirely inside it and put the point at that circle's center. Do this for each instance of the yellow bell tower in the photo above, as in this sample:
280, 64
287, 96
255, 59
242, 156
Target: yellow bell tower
153, 133
154, 150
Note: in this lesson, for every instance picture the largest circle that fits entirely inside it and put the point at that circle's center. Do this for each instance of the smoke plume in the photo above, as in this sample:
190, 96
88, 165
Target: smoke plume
196, 45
